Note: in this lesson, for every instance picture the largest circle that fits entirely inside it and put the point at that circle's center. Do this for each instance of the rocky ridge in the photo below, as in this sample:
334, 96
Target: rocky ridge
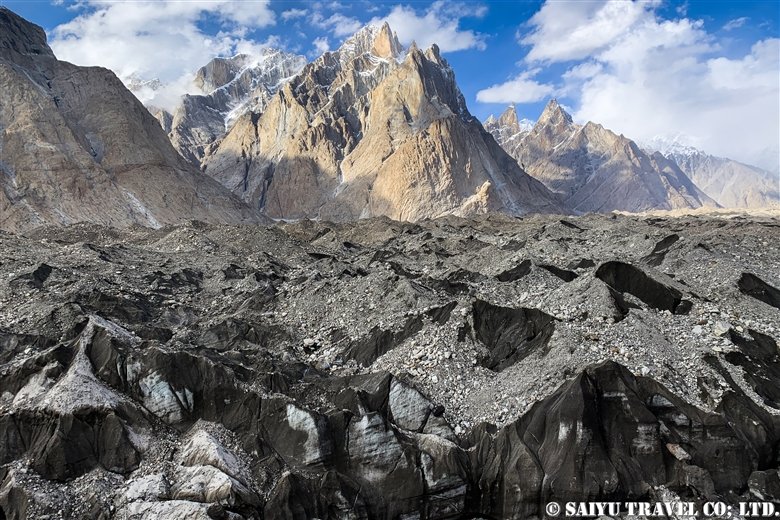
594, 169
76, 145
230, 88
381, 369
372, 129
731, 183
507, 128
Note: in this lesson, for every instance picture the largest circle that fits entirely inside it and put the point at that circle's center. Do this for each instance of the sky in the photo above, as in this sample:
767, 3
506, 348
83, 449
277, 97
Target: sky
706, 73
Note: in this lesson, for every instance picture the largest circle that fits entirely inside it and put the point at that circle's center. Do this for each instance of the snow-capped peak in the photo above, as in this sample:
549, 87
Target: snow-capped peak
671, 145
376, 40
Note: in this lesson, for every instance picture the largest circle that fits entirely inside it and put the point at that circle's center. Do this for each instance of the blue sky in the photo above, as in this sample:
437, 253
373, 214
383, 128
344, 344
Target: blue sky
703, 71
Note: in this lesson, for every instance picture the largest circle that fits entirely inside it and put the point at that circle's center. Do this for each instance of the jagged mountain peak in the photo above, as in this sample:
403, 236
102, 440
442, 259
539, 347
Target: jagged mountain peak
274, 63
509, 117
373, 39
230, 87
386, 44
369, 130
672, 145
218, 72
554, 114
508, 124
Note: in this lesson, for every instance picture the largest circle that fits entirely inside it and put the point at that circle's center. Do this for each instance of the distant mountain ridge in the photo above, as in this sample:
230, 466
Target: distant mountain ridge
592, 168
731, 183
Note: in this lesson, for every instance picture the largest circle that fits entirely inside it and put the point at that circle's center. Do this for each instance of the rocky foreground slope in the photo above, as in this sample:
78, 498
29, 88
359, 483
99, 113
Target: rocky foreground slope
76, 145
448, 369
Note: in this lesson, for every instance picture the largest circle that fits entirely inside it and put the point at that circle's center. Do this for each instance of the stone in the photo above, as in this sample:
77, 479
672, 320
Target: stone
720, 328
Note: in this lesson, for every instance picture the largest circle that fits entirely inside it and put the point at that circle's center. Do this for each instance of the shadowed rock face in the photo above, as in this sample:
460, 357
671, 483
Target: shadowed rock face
515, 273
758, 357
657, 255
626, 278
378, 341
622, 434
754, 286
510, 334
603, 435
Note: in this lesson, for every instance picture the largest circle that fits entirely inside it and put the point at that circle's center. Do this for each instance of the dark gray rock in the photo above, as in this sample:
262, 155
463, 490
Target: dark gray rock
227, 372
754, 286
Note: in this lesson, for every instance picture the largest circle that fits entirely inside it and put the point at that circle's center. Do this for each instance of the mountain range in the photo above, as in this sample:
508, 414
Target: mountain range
592, 168
732, 183
370, 129
596, 170
229, 87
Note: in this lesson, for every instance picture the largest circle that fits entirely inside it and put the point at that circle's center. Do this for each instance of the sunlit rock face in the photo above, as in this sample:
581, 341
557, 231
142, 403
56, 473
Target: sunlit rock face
372, 129
593, 169
75, 145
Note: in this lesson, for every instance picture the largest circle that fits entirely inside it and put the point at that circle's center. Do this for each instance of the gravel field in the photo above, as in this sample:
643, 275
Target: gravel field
447, 369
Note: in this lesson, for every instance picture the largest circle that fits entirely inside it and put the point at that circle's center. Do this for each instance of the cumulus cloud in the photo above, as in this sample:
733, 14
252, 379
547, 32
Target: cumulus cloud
158, 39
662, 82
439, 24
562, 31
647, 76
520, 89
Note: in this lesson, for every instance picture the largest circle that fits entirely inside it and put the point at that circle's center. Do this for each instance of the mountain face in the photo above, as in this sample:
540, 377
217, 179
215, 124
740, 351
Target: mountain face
731, 183
594, 169
508, 128
230, 88
369, 130
76, 145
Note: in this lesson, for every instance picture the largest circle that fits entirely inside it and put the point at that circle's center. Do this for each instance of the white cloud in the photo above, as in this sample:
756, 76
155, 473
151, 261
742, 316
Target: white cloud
439, 24
321, 45
521, 89
645, 76
562, 31
736, 23
157, 39
660, 78
339, 24
583, 71
292, 14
